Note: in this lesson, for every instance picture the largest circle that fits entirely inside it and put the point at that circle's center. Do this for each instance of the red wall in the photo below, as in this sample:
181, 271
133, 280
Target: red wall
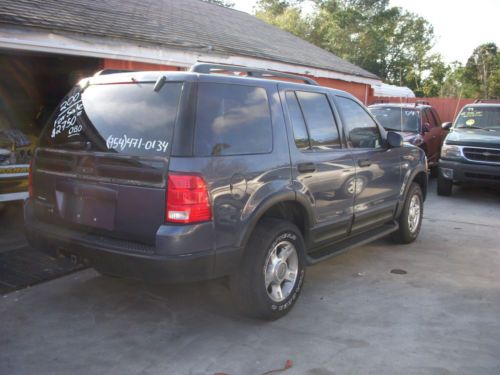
359, 90
447, 108
134, 65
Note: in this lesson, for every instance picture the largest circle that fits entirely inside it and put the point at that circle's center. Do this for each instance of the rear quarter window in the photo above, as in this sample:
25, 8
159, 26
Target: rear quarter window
232, 120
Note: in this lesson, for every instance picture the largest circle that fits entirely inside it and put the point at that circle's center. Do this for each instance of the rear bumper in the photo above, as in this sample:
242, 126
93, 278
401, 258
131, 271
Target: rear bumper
121, 258
470, 172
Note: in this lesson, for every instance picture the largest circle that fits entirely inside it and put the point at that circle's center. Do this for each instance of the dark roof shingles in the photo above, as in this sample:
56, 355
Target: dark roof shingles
190, 24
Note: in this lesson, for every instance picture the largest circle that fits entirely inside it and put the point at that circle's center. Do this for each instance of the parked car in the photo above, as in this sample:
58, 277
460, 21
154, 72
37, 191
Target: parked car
16, 149
471, 151
418, 123
184, 176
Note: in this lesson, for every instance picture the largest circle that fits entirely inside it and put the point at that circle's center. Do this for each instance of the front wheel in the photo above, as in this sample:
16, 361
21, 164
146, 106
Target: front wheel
410, 219
272, 272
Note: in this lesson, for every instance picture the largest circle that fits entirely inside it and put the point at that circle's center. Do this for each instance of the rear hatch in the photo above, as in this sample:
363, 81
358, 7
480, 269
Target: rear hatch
102, 162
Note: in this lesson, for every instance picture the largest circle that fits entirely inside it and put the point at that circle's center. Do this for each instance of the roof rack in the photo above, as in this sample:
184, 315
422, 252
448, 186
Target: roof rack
421, 102
207, 68
494, 101
112, 71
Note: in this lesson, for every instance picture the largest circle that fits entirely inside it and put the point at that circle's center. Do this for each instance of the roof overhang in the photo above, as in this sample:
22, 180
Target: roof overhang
38, 40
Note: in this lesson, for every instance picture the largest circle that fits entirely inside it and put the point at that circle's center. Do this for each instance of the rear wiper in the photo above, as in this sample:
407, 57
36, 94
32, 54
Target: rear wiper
159, 83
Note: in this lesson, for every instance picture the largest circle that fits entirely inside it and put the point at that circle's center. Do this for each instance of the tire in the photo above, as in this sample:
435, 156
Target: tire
444, 186
410, 219
434, 171
275, 250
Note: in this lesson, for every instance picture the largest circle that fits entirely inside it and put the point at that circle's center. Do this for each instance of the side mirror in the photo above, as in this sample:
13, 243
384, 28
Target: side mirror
446, 125
394, 140
426, 128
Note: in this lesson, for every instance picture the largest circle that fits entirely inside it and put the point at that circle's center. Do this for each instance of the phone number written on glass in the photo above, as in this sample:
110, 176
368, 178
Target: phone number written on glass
124, 142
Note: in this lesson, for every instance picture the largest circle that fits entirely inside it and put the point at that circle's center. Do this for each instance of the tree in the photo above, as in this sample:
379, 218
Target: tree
287, 15
390, 42
385, 40
479, 78
482, 70
224, 3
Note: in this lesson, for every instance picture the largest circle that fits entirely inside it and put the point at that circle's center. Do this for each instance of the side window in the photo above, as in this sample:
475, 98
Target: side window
430, 118
362, 131
232, 120
437, 119
323, 132
299, 126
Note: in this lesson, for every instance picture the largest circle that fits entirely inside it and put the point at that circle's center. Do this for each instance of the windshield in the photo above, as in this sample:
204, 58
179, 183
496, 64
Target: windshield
398, 119
479, 118
128, 118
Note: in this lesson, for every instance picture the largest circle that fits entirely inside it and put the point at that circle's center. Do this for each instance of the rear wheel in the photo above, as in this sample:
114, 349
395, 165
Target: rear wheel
410, 219
270, 277
444, 186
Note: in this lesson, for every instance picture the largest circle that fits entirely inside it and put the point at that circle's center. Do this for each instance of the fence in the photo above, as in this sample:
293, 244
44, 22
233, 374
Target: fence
447, 108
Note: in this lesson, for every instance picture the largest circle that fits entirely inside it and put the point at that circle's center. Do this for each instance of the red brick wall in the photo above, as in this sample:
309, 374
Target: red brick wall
134, 65
359, 90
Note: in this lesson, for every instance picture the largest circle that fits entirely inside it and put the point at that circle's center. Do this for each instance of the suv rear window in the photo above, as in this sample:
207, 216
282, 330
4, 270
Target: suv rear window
125, 118
232, 120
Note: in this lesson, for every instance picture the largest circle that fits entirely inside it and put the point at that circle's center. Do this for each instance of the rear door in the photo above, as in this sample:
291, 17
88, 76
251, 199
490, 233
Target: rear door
378, 173
321, 163
103, 158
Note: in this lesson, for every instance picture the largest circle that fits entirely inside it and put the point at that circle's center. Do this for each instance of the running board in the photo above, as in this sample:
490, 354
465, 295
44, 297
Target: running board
344, 245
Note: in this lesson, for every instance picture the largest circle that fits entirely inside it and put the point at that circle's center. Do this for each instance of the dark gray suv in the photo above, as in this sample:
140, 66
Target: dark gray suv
193, 175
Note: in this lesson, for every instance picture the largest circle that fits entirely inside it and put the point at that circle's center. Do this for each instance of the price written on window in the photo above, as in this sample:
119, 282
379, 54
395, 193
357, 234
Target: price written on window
69, 111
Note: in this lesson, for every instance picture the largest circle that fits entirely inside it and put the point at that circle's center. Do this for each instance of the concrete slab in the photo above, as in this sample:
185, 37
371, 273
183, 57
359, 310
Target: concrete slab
354, 315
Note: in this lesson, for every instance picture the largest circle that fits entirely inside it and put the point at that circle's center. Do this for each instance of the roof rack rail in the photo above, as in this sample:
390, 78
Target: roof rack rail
422, 102
207, 68
493, 101
112, 71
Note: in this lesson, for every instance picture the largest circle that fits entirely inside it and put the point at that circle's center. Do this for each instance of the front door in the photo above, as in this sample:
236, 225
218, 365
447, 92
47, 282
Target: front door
322, 166
431, 136
378, 169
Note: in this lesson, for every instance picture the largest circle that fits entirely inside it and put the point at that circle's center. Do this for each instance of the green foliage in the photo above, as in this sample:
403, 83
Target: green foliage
390, 42
479, 78
482, 70
224, 3
385, 40
286, 15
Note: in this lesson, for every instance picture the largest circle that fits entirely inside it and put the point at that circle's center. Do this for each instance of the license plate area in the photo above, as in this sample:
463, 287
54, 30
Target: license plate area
87, 205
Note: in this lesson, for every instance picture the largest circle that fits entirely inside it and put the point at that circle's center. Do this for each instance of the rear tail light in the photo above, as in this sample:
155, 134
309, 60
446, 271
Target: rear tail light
30, 180
187, 199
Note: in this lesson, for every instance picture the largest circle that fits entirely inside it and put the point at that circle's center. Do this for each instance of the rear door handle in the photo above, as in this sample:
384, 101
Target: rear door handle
364, 162
306, 167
